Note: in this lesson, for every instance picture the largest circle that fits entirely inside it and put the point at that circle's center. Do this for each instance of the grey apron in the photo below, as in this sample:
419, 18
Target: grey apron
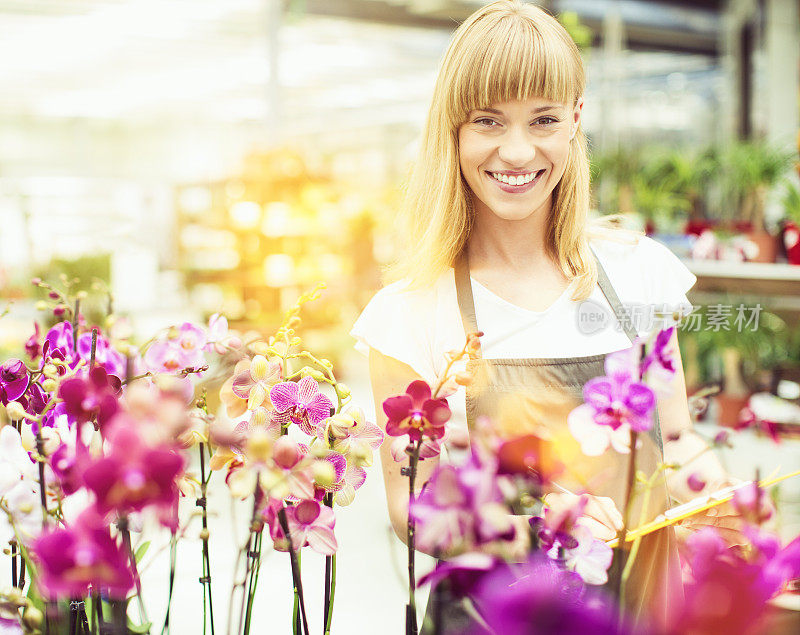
526, 395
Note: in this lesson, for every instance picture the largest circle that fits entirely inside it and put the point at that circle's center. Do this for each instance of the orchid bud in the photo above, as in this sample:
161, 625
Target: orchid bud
294, 322
32, 617
342, 390
58, 310
204, 534
695, 483
36, 281
53, 295
81, 295
15, 411
49, 385
41, 305
260, 348
463, 379
295, 341
50, 371
326, 363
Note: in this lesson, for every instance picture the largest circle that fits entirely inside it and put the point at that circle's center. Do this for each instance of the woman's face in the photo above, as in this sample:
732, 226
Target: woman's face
513, 154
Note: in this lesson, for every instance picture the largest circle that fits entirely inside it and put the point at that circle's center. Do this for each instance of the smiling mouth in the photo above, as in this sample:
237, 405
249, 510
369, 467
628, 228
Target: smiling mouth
518, 180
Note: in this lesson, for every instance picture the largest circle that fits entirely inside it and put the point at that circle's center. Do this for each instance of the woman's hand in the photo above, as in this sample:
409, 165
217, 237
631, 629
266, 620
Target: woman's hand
600, 516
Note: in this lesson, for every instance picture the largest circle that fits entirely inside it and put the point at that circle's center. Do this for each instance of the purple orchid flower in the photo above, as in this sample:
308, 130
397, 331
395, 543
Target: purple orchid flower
416, 414
96, 395
105, 356
81, 556
132, 475
13, 380
540, 597
59, 342
461, 508
309, 524
301, 403
463, 572
740, 582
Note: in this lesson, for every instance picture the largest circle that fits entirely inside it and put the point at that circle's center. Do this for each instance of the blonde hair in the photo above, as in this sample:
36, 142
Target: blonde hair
508, 50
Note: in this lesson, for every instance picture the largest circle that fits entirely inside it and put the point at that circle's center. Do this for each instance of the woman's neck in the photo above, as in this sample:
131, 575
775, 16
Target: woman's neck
514, 246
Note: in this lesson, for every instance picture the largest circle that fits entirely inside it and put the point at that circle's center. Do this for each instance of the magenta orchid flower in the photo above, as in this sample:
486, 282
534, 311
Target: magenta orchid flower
81, 556
132, 475
14, 380
255, 380
113, 361
416, 414
753, 503
540, 597
461, 507
614, 405
589, 557
741, 582
59, 343
301, 403
659, 365
309, 523
182, 349
94, 396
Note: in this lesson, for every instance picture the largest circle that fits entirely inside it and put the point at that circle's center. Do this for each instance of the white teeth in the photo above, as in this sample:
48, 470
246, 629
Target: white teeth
522, 179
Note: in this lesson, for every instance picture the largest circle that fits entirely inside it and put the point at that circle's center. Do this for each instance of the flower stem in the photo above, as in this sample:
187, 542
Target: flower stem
411, 607
173, 556
122, 524
329, 581
629, 490
298, 583
202, 503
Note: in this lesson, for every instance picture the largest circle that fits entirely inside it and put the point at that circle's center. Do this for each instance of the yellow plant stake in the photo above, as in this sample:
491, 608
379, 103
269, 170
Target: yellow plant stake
696, 506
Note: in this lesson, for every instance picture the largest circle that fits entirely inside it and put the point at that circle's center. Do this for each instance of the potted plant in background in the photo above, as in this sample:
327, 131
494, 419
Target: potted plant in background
657, 198
740, 360
612, 176
751, 169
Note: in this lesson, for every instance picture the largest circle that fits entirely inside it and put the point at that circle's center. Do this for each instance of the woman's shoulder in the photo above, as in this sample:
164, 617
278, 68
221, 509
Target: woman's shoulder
405, 322
643, 267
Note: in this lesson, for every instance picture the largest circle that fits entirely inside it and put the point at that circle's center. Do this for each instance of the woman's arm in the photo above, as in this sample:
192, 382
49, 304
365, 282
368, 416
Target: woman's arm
391, 377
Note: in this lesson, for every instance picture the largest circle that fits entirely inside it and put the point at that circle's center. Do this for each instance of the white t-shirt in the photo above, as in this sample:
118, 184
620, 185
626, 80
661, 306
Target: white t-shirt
418, 327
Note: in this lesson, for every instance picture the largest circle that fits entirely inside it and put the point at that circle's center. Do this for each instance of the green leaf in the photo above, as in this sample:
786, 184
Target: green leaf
139, 628
140, 551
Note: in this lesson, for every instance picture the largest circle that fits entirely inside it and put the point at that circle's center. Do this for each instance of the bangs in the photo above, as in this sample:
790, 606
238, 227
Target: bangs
514, 58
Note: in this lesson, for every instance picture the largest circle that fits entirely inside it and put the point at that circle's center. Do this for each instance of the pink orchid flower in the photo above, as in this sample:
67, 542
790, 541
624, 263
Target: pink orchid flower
254, 381
301, 403
416, 414
73, 559
309, 524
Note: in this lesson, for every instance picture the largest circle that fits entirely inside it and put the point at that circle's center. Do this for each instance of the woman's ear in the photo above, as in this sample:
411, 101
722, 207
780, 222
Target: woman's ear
576, 118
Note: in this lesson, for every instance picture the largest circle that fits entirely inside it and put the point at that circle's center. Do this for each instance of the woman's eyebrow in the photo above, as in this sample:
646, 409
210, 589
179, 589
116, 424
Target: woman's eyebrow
535, 111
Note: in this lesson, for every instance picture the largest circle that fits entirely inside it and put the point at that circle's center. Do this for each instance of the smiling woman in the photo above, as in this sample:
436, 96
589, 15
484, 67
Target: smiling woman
499, 241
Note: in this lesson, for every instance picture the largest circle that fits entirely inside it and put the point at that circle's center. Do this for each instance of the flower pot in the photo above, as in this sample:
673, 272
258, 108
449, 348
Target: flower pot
728, 408
767, 246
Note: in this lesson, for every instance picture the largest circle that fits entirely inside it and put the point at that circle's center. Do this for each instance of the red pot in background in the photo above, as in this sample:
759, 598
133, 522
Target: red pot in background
728, 408
767, 246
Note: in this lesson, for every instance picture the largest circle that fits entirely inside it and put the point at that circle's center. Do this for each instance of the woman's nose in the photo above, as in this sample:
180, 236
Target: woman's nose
516, 149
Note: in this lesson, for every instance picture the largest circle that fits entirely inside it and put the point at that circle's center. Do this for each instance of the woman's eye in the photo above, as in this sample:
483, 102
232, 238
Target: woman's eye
547, 121
485, 121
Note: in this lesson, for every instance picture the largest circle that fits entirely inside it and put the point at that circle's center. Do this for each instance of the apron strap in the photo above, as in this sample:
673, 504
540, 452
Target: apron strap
466, 302
613, 299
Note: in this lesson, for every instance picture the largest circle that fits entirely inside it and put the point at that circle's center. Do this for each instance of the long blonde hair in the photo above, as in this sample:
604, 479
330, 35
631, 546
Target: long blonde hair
508, 50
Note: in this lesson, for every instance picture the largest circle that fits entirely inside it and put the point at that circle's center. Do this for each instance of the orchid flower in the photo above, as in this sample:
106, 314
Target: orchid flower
416, 414
255, 380
81, 556
13, 380
301, 403
309, 524
132, 475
